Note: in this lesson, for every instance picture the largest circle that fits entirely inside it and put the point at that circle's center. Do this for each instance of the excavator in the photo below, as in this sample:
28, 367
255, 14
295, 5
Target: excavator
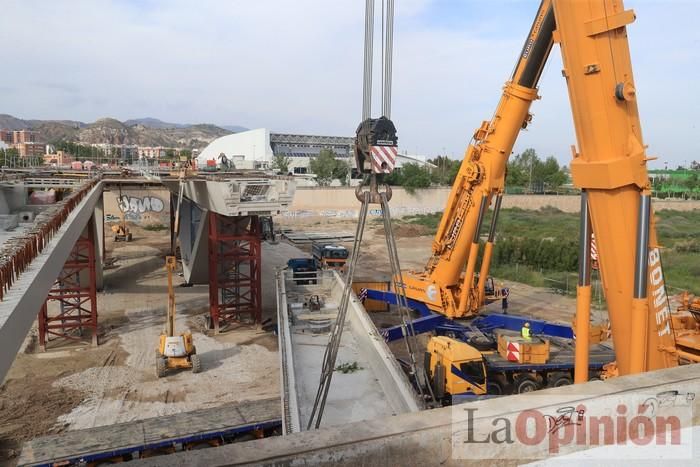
609, 167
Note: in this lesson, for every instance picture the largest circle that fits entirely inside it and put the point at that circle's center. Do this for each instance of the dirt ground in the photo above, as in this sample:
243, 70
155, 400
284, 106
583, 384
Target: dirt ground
72, 387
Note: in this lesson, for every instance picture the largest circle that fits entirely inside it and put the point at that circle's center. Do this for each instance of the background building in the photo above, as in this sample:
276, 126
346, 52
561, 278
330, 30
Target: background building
149, 152
257, 148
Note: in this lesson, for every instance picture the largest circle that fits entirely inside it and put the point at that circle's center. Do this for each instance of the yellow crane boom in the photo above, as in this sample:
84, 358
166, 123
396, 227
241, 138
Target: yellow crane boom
609, 166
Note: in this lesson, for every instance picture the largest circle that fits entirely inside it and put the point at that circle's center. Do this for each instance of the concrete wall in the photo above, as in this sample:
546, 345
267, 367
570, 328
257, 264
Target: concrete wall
441, 436
142, 206
341, 202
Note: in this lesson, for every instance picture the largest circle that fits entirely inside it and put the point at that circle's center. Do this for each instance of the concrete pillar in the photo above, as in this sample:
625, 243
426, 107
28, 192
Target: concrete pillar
99, 226
194, 242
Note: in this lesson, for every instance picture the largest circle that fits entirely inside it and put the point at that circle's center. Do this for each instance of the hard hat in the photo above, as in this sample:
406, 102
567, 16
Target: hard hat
527, 325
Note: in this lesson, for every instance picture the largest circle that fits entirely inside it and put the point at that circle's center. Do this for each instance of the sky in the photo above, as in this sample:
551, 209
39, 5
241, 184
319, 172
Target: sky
296, 66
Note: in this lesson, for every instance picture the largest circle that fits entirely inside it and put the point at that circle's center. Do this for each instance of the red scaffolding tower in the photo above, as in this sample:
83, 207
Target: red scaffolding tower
235, 294
74, 293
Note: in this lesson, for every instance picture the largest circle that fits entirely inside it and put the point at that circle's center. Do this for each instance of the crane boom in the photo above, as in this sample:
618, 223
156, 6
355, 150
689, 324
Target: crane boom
609, 166
443, 285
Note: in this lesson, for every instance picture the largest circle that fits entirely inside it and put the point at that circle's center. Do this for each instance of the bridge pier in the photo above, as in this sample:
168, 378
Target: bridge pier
235, 293
73, 294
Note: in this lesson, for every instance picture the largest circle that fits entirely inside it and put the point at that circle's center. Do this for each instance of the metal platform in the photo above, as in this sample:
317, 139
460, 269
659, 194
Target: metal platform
144, 438
559, 358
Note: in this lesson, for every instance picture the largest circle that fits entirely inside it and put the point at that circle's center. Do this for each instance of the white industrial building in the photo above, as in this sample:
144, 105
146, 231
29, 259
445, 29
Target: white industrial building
245, 150
256, 149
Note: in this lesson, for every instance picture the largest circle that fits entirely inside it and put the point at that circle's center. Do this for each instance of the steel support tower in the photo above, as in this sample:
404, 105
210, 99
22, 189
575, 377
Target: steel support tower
235, 294
74, 316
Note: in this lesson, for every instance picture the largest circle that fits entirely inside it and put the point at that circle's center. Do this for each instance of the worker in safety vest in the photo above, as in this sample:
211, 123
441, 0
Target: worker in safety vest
525, 331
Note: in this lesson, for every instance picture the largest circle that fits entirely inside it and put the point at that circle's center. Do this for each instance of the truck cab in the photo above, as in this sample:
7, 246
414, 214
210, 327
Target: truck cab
304, 270
330, 256
455, 368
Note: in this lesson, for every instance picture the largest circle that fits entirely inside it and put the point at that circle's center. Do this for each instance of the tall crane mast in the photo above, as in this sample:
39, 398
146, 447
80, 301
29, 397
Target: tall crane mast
609, 166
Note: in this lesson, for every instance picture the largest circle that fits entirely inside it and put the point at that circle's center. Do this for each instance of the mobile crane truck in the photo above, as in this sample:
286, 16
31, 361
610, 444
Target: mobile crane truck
609, 166
520, 365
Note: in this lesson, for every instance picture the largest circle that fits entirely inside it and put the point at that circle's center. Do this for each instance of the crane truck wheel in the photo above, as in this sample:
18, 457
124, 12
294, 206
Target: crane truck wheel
525, 383
494, 388
497, 385
558, 380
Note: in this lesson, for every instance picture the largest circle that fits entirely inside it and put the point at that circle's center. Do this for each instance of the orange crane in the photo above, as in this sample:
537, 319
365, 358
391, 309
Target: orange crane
609, 166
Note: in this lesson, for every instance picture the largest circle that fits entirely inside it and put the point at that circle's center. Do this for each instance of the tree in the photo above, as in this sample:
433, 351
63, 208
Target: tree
341, 171
415, 176
446, 170
410, 176
528, 170
9, 157
280, 163
553, 175
324, 166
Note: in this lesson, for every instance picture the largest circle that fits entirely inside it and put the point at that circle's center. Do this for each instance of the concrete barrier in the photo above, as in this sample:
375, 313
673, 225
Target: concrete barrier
341, 203
439, 436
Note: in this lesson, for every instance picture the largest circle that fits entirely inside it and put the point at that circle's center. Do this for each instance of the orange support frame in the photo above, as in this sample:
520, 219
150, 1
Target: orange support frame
235, 293
74, 294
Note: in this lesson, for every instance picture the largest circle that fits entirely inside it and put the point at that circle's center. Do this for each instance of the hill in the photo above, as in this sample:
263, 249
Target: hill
154, 123
143, 131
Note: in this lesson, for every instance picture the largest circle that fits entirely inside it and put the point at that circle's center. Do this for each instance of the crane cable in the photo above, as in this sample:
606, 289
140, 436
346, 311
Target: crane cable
372, 196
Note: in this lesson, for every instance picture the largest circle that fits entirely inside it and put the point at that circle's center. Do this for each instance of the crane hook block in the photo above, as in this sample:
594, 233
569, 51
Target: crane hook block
376, 146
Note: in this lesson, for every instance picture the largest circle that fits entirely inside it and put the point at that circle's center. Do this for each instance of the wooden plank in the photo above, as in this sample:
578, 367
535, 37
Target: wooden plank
139, 434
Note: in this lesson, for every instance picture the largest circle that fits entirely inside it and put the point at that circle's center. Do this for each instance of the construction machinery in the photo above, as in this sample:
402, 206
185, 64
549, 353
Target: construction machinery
686, 327
329, 256
304, 270
610, 168
459, 370
175, 351
121, 231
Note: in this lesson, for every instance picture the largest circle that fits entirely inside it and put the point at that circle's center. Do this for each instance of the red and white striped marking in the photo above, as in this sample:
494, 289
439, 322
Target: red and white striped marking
594, 252
384, 159
513, 352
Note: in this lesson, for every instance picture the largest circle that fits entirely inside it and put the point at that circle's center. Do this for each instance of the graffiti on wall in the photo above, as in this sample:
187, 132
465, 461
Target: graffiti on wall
140, 209
140, 205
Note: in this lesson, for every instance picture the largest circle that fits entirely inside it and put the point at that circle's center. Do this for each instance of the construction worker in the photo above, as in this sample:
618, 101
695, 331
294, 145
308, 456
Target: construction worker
525, 331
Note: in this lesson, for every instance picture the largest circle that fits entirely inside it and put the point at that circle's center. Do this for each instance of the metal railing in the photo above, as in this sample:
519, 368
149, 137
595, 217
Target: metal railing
17, 253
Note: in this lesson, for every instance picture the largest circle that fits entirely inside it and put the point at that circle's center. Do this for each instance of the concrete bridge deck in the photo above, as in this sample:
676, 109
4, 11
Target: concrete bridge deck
22, 301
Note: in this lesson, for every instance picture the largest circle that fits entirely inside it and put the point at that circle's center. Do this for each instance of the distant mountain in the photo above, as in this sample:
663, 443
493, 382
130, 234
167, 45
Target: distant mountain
142, 131
149, 122
8, 122
234, 128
